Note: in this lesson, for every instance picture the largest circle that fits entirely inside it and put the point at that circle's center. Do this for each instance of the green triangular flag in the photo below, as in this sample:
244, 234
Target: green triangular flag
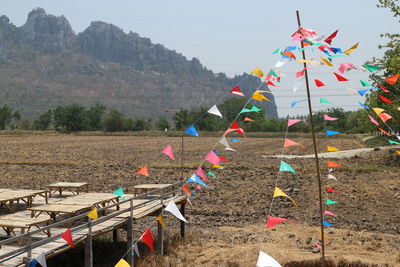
330, 202
393, 142
211, 174
371, 68
364, 83
286, 167
245, 110
119, 192
333, 56
256, 109
273, 73
277, 51
323, 100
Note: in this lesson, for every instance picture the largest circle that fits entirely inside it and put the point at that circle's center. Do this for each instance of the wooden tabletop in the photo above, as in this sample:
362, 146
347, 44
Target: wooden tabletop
67, 185
151, 186
61, 208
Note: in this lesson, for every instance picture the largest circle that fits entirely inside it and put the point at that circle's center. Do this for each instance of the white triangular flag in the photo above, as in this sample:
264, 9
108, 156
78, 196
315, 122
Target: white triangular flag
297, 85
224, 142
264, 260
330, 176
174, 210
41, 259
136, 250
214, 110
280, 63
398, 137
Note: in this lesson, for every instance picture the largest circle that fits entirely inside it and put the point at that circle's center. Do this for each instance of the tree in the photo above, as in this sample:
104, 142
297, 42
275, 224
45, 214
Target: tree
162, 124
70, 118
95, 117
6, 116
44, 120
114, 121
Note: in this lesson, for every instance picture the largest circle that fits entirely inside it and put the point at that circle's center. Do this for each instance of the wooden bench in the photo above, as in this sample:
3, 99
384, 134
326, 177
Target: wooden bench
75, 188
144, 188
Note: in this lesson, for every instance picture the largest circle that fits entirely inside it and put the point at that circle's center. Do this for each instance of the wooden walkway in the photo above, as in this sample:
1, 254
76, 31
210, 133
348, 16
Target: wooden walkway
12, 254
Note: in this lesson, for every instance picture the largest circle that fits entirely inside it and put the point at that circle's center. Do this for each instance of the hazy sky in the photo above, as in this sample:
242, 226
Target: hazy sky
235, 36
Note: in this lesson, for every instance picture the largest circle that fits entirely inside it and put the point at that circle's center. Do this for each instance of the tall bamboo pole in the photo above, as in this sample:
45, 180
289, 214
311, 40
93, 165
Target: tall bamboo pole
314, 143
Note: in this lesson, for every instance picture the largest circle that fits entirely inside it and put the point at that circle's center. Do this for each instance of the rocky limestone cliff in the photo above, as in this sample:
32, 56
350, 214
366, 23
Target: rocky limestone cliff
44, 64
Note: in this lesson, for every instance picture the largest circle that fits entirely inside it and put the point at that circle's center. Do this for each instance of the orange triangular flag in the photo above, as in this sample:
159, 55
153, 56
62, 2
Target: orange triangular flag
143, 171
392, 79
247, 119
289, 142
333, 164
383, 131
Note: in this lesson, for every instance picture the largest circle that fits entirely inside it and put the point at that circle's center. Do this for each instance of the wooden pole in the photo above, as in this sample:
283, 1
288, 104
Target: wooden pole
89, 246
129, 240
315, 145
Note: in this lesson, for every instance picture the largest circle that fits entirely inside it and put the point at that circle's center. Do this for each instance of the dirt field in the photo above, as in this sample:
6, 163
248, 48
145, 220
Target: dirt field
227, 220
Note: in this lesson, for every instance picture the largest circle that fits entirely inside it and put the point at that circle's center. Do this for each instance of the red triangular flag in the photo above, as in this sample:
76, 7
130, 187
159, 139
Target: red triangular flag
143, 171
148, 239
67, 236
333, 164
331, 190
318, 83
383, 131
383, 88
330, 37
248, 119
223, 159
384, 99
236, 91
340, 78
392, 79
235, 126
185, 189
272, 221
271, 83
289, 54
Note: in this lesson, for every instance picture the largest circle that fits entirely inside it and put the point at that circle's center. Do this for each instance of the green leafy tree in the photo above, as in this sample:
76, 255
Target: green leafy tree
70, 118
114, 121
95, 117
44, 120
163, 124
7, 115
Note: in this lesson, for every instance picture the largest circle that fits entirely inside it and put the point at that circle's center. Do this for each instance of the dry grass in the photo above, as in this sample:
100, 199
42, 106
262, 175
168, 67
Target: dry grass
51, 163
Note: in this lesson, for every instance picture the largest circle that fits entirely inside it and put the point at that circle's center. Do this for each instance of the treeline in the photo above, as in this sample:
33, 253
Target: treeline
74, 117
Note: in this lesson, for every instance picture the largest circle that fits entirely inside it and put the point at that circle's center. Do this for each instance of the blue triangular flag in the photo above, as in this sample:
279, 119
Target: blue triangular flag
362, 91
193, 194
290, 48
325, 223
191, 130
294, 103
32, 263
326, 52
337, 50
196, 179
235, 140
328, 132
364, 106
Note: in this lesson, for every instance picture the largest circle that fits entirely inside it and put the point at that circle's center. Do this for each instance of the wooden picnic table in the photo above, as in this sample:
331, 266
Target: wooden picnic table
11, 222
143, 188
8, 198
75, 188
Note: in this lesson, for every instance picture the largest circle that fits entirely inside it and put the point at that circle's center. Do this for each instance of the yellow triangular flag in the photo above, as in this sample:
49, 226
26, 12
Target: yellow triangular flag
279, 193
93, 214
351, 49
217, 166
326, 62
160, 220
122, 263
259, 97
398, 152
304, 61
257, 71
331, 148
378, 110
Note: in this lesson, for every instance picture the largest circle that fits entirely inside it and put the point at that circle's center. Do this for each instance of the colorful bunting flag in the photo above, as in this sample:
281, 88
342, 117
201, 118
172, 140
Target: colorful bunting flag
318, 83
330, 37
328, 118
143, 171
344, 66
279, 193
325, 223
364, 83
119, 192
67, 236
383, 131
191, 131
199, 172
148, 239
211, 174
284, 167
277, 51
364, 106
351, 49
236, 91
175, 211
93, 214
212, 157
185, 189
196, 179
384, 116
323, 100
235, 140
378, 110
259, 97
371, 68
326, 62
328, 132
331, 149
333, 164
289, 142
41, 259
235, 128
289, 55
292, 121
327, 212
272, 221
384, 99
248, 119
214, 110
340, 78
223, 159
373, 120
294, 103
383, 88
264, 260
168, 151
122, 263
160, 220
217, 166
271, 84
393, 142
331, 190
392, 79
331, 202
330, 176
258, 72
224, 142
362, 92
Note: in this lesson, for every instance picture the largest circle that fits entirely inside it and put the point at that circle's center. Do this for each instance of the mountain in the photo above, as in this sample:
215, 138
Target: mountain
44, 63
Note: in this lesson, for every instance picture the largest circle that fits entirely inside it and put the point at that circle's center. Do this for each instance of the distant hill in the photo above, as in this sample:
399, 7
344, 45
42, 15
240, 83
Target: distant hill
44, 64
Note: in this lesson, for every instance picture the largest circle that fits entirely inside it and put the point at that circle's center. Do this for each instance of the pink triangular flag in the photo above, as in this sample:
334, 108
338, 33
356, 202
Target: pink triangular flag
198, 187
329, 213
344, 66
328, 118
201, 173
373, 120
292, 121
289, 142
213, 158
168, 151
